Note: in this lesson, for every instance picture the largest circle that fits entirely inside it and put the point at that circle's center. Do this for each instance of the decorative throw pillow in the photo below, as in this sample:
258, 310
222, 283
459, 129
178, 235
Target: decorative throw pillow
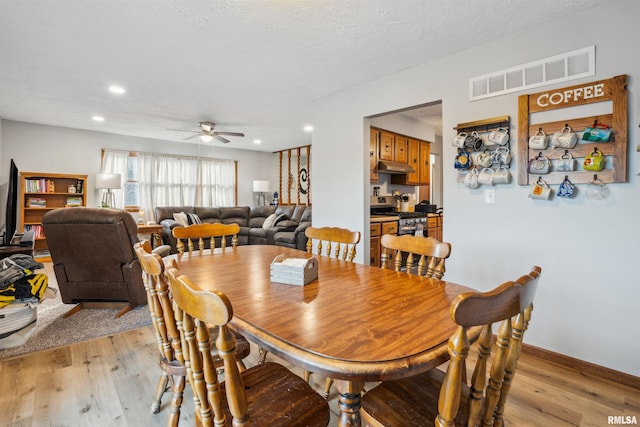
193, 219
268, 223
181, 218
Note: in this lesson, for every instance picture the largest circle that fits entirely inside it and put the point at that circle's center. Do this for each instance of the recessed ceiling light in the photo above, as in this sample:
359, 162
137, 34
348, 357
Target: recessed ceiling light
308, 128
257, 141
98, 118
119, 90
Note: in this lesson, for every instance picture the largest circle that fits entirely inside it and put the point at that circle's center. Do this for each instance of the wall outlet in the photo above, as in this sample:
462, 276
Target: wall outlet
490, 196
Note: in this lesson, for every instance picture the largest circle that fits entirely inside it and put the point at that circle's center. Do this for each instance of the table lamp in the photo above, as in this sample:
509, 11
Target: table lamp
261, 187
108, 181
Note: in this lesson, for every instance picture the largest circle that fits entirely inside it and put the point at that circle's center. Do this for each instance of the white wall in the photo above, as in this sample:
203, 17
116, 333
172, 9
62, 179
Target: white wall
41, 148
587, 302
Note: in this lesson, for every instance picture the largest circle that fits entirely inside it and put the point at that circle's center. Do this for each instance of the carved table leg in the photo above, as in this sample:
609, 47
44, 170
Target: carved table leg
262, 355
349, 402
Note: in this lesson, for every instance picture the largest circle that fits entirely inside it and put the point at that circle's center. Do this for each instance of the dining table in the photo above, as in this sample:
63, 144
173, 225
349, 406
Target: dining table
355, 323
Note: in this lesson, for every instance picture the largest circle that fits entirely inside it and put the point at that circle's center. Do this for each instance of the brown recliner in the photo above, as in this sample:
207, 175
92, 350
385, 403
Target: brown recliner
93, 256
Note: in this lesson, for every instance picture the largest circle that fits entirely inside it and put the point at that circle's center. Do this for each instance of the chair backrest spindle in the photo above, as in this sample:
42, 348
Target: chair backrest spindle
345, 241
401, 251
203, 234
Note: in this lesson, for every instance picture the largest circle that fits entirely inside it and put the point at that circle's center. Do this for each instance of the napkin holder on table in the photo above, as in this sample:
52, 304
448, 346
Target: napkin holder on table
294, 271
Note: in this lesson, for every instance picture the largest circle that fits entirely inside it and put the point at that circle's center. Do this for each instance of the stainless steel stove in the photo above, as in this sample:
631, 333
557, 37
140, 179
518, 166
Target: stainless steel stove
408, 222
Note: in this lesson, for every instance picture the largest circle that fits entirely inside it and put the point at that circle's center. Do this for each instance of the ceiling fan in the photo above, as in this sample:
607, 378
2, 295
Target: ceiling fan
207, 133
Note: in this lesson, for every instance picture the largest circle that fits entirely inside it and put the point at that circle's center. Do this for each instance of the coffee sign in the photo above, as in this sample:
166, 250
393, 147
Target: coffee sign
569, 96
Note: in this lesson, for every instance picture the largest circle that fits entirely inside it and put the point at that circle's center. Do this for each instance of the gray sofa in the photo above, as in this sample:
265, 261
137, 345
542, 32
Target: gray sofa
290, 219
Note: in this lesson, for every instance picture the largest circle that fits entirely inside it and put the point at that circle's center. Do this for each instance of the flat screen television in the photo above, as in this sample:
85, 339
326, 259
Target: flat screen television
12, 204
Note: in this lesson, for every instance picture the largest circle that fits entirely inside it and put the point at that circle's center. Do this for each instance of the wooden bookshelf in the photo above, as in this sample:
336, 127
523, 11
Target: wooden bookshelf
41, 192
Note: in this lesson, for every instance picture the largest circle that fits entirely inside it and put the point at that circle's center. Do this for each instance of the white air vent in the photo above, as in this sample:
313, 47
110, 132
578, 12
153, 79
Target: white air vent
560, 68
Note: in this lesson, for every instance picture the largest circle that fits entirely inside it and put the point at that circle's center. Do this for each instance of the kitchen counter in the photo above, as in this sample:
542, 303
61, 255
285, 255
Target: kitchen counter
386, 218
383, 218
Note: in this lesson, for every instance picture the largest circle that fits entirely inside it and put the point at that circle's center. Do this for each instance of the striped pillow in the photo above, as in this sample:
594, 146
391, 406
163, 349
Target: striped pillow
193, 219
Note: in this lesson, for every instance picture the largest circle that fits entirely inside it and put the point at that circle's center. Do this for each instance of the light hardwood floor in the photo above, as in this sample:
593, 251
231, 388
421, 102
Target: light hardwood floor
110, 381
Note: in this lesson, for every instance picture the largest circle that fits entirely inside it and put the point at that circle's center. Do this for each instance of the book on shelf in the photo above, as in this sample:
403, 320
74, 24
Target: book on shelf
73, 202
39, 185
36, 229
36, 202
41, 253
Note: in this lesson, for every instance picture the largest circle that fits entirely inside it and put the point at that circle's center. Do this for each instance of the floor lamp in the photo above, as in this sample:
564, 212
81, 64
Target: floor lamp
261, 187
108, 181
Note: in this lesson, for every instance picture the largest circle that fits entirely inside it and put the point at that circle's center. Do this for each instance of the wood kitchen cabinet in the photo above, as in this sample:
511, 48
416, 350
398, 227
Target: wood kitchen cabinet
425, 163
374, 137
376, 230
400, 148
386, 150
419, 156
374, 244
392, 146
434, 227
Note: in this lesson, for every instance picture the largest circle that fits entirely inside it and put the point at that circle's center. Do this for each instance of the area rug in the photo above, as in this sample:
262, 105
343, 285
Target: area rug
53, 330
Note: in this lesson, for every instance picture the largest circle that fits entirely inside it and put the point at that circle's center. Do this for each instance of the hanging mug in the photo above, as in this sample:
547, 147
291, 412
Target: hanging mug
539, 141
540, 190
473, 142
565, 162
486, 176
540, 165
564, 139
501, 155
458, 140
501, 176
471, 179
594, 161
566, 189
499, 136
483, 158
463, 160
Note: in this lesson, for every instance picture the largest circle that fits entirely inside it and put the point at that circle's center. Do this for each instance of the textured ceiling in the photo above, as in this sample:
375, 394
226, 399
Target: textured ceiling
252, 66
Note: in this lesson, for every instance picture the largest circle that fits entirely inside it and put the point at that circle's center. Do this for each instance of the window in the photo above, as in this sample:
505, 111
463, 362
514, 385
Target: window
164, 180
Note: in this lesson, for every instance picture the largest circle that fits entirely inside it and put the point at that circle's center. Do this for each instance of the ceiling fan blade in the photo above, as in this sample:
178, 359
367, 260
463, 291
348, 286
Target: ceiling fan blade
221, 139
228, 133
184, 130
191, 137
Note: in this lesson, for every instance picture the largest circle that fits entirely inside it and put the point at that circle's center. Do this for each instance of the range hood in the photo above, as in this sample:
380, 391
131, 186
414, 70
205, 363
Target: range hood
386, 166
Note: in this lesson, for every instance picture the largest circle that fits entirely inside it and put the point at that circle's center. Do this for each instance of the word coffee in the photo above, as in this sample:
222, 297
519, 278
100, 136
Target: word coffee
562, 97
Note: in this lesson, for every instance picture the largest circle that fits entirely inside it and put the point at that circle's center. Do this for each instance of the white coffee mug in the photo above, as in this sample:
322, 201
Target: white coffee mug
540, 190
501, 155
499, 136
566, 163
458, 140
566, 138
482, 158
485, 177
501, 176
471, 179
539, 141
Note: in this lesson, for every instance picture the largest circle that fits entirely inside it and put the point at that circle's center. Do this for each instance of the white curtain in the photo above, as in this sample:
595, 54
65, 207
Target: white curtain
164, 180
116, 162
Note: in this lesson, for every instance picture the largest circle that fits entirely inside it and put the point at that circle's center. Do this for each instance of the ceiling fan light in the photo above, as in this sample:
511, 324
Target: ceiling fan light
206, 138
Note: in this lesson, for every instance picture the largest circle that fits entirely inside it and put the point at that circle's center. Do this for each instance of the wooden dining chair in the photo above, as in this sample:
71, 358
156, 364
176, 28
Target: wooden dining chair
267, 394
445, 399
205, 233
171, 359
400, 253
337, 243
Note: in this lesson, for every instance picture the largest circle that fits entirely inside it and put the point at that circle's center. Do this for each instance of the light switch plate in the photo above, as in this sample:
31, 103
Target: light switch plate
490, 196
